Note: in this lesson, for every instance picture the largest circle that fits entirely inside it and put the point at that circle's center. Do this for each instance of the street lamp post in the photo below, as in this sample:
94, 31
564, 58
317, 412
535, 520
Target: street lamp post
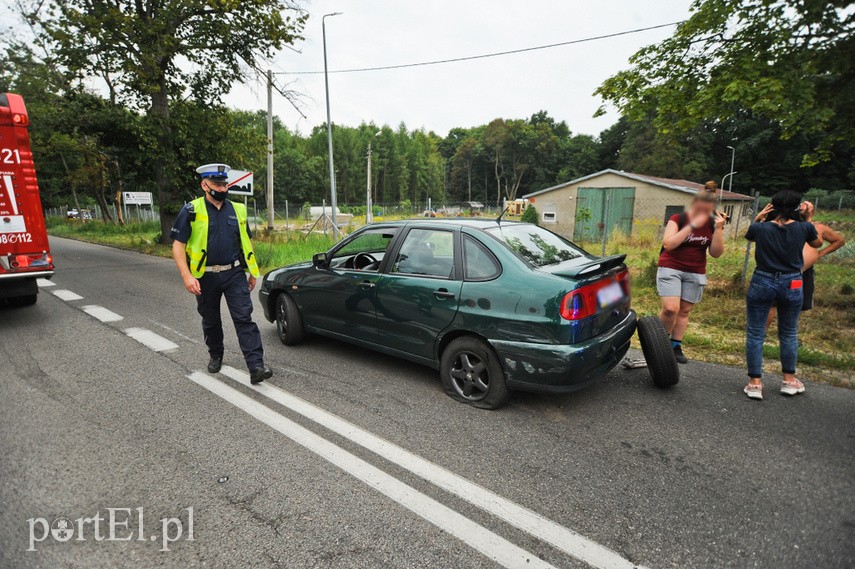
732, 163
329, 123
728, 175
369, 211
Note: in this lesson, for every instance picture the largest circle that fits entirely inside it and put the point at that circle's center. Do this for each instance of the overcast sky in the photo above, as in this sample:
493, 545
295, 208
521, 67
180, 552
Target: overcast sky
373, 33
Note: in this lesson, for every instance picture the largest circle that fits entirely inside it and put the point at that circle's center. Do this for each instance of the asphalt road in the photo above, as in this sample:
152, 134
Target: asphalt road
348, 458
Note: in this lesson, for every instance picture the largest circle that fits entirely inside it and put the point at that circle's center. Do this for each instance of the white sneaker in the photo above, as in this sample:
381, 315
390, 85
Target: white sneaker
753, 391
792, 388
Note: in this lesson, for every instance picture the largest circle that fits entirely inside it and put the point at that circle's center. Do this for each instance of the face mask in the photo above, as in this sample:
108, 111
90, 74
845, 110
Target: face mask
219, 196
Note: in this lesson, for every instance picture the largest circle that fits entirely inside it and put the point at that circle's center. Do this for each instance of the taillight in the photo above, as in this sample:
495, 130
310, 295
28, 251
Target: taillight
32, 260
20, 120
20, 261
584, 302
623, 278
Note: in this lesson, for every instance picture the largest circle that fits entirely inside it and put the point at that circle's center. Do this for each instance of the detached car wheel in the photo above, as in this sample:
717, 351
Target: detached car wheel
656, 345
471, 373
289, 324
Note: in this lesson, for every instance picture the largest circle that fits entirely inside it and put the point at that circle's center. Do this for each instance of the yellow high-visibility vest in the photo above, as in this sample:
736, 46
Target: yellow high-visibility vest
197, 245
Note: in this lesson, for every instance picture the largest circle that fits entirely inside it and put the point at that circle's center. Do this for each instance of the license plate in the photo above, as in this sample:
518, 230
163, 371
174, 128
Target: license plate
609, 294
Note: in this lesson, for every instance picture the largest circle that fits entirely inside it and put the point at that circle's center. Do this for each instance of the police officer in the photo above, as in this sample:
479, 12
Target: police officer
212, 249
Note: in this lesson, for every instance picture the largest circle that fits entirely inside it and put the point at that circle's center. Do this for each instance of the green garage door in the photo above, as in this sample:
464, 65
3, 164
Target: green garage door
600, 210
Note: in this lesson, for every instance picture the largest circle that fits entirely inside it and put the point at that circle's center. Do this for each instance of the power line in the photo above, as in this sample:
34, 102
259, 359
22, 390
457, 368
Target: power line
488, 55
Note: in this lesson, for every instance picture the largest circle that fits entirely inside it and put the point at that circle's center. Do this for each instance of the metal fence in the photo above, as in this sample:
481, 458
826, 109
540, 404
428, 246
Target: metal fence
131, 213
349, 217
825, 201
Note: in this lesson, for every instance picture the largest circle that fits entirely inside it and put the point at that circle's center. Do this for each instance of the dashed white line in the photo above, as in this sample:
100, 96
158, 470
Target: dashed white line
176, 332
101, 313
66, 294
44, 283
150, 339
531, 522
472, 534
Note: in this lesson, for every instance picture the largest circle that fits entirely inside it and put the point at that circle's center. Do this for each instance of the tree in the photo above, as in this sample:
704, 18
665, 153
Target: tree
152, 53
462, 164
787, 61
684, 157
529, 215
611, 141
580, 157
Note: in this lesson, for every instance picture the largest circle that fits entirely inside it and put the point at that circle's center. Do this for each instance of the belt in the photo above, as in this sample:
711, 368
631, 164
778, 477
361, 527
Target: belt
776, 274
221, 268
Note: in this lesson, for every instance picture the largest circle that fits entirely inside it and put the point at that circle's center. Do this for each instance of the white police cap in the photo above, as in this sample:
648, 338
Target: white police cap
214, 171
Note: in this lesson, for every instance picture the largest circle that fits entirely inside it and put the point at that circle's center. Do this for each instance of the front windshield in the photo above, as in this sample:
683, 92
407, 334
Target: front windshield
535, 244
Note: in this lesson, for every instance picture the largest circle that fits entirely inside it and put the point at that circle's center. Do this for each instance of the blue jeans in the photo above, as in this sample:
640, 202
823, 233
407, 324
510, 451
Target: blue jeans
768, 290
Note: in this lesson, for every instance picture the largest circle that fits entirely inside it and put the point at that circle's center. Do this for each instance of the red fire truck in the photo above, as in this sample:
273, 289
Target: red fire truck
24, 250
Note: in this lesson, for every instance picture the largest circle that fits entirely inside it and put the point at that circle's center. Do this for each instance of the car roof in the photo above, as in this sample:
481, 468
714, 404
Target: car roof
473, 222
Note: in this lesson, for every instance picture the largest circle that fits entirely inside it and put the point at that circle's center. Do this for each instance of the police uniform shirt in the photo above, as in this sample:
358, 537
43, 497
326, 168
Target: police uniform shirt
224, 245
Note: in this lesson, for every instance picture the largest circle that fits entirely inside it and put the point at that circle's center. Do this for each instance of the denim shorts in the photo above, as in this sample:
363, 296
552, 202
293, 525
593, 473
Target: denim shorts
688, 286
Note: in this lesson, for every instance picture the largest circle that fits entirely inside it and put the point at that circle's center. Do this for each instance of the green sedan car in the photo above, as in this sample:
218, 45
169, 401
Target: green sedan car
494, 305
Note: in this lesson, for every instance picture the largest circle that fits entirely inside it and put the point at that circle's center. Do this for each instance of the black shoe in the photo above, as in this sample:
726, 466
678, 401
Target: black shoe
259, 374
215, 364
678, 353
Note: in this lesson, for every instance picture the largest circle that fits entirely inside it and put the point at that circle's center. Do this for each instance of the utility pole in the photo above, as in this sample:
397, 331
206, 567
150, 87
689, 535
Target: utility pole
270, 211
369, 214
329, 123
369, 211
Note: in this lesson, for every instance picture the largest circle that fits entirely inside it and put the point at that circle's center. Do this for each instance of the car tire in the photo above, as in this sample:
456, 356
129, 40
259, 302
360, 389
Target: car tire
472, 373
289, 323
656, 345
21, 301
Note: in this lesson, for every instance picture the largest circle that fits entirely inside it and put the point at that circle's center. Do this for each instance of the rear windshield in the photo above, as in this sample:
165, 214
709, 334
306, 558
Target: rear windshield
536, 245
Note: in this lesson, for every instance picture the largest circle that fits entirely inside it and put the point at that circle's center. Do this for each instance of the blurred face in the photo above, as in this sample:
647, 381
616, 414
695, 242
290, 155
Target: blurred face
701, 208
214, 185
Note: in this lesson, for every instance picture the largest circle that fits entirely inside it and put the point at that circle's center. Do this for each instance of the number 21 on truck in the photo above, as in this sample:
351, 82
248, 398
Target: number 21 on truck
24, 250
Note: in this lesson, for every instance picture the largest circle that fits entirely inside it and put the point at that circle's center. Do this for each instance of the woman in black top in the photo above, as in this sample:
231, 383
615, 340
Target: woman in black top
777, 281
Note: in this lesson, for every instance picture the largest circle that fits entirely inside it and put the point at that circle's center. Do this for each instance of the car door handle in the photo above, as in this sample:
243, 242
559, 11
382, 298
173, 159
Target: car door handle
442, 293
367, 284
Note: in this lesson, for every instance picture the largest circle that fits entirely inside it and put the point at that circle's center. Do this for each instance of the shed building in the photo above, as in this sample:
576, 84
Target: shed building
613, 200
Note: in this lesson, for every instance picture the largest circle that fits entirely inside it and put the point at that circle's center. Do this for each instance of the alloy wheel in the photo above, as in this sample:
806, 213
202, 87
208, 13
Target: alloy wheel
281, 319
470, 376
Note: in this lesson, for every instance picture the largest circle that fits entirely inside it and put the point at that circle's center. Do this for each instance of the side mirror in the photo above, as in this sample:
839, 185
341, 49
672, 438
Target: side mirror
320, 260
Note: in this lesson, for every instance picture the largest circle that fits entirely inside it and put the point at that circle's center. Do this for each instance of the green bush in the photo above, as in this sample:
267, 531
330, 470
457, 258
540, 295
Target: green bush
530, 215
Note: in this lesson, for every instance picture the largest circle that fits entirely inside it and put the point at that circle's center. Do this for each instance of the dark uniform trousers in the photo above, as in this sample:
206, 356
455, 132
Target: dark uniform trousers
231, 284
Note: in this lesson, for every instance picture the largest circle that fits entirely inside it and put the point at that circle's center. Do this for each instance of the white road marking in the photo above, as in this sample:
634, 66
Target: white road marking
176, 332
66, 294
472, 534
150, 339
531, 522
43, 283
101, 313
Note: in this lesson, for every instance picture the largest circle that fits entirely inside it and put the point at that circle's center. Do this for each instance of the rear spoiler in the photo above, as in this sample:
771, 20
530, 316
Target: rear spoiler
592, 266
